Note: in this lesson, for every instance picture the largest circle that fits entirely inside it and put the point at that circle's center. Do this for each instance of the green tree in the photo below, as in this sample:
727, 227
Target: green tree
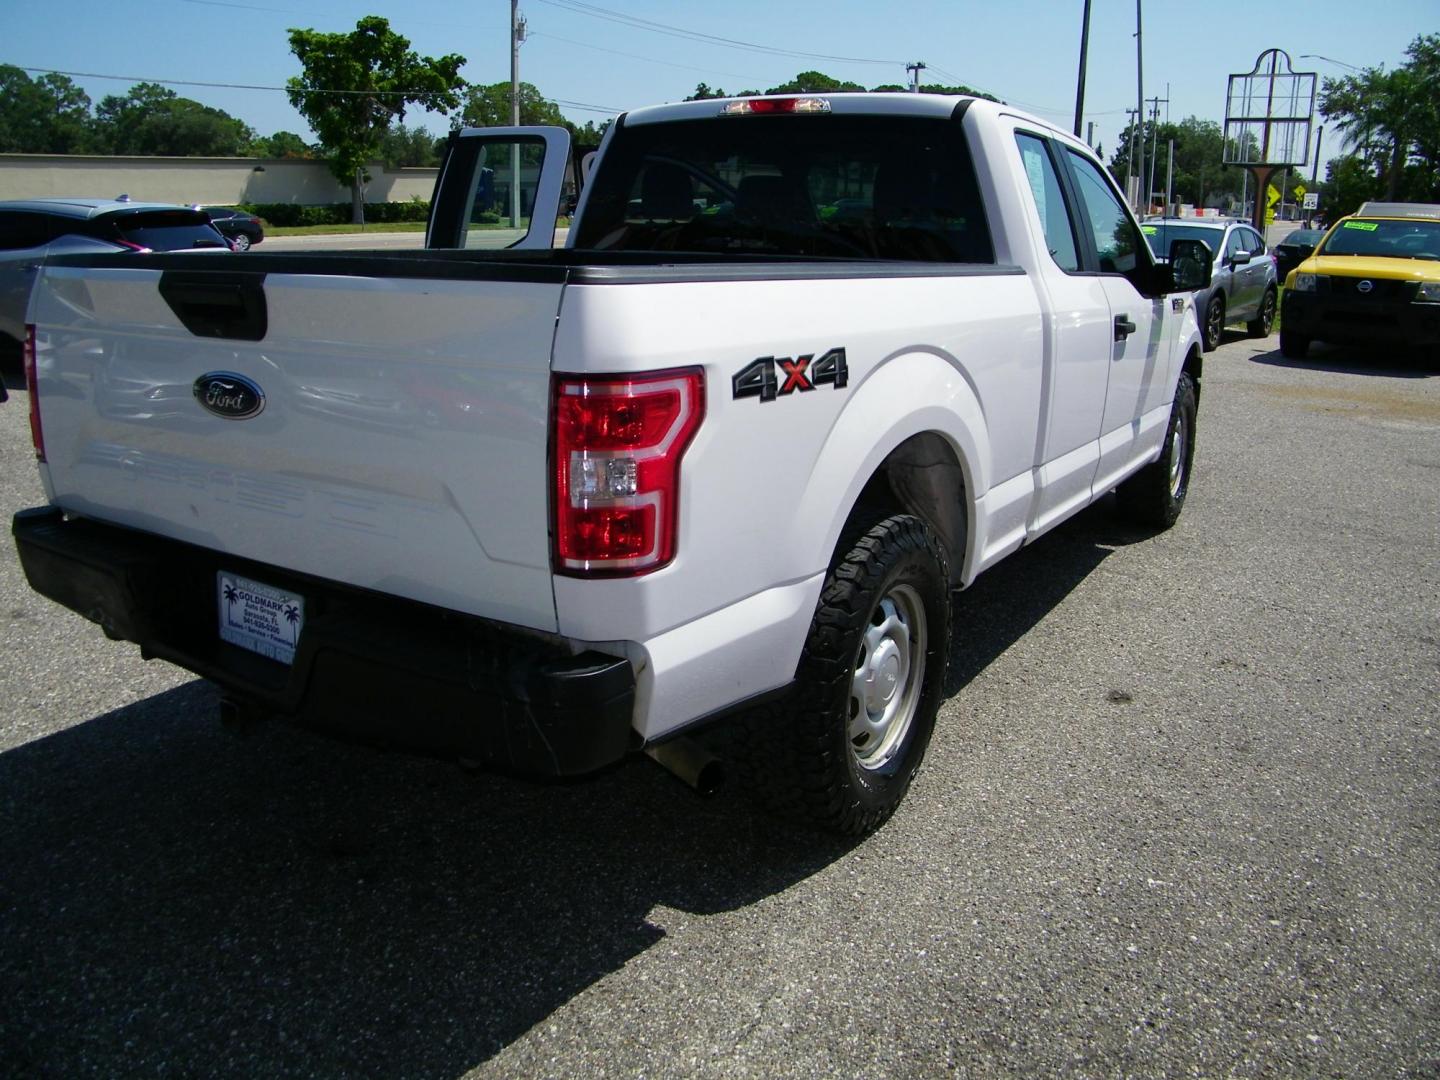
153, 120
934, 88
1393, 119
409, 147
48, 115
355, 85
1348, 183
1200, 178
815, 82
283, 144
489, 106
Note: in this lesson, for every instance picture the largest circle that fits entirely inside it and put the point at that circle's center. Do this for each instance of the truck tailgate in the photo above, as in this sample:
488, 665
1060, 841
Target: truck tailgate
401, 446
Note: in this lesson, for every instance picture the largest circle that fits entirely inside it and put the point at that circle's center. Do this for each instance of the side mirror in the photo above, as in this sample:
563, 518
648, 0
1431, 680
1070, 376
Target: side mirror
1240, 258
1191, 265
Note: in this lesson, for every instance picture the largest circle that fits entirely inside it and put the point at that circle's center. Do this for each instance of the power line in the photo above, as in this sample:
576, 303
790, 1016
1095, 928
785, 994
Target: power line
580, 8
648, 59
283, 89
223, 86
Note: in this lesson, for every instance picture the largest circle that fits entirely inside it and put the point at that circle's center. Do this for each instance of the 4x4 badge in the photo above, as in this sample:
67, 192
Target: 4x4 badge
758, 378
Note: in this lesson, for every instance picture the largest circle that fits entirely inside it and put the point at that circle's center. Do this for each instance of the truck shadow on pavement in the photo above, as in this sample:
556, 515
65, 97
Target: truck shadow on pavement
176, 899
1011, 597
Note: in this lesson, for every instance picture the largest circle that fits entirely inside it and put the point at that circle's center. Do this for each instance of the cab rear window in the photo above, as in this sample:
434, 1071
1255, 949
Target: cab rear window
796, 186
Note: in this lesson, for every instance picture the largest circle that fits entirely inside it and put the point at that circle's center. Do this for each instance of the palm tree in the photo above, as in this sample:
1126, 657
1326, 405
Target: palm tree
292, 616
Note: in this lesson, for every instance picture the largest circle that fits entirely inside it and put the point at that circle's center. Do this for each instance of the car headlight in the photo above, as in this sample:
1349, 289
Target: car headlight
1429, 292
1304, 283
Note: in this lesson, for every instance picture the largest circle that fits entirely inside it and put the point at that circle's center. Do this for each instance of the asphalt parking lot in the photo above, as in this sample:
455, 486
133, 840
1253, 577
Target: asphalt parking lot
1179, 818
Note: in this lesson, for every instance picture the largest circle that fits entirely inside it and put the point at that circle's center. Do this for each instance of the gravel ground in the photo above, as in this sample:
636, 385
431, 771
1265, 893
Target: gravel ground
1179, 818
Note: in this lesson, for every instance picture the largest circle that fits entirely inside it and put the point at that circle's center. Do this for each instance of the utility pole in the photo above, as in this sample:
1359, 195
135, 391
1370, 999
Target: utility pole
1140, 93
915, 69
1154, 142
1080, 81
1090, 135
1315, 170
1130, 155
1170, 178
517, 38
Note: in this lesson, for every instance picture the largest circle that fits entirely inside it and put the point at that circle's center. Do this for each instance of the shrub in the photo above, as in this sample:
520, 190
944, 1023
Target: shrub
284, 215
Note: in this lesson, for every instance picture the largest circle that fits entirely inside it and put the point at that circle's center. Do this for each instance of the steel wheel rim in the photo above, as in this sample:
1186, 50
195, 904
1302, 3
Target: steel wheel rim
887, 677
1179, 436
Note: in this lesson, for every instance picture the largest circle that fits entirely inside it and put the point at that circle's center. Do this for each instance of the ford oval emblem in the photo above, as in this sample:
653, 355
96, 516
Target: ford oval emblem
229, 395
1364, 287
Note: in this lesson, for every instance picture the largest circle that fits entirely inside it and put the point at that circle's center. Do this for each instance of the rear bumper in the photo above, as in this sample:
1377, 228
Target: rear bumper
1361, 322
367, 666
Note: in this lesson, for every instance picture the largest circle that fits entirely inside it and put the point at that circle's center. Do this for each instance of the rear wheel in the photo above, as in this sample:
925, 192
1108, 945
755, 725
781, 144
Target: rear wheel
841, 753
240, 242
1156, 494
1293, 345
1264, 320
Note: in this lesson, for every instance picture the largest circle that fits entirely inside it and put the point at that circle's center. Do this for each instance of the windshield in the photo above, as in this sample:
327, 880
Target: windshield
1161, 237
843, 186
1385, 239
1301, 237
168, 230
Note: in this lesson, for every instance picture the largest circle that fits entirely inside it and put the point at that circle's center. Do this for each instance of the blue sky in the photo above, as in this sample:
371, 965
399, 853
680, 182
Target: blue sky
1024, 51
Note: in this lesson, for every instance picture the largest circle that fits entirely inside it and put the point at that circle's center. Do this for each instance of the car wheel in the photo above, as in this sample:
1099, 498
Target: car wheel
1214, 323
240, 242
1294, 346
1264, 320
841, 751
1155, 495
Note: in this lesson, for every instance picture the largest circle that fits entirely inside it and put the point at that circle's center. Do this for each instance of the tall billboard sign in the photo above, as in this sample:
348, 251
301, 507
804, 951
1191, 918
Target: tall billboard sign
1269, 115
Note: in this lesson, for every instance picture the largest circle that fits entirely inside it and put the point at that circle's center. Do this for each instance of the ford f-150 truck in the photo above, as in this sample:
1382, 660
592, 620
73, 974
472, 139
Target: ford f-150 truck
805, 365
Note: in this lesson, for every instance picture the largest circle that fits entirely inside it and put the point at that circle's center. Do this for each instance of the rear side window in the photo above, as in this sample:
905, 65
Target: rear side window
1049, 201
163, 230
866, 187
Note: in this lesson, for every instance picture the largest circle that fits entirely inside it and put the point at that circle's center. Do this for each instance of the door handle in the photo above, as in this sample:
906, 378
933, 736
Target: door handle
1123, 327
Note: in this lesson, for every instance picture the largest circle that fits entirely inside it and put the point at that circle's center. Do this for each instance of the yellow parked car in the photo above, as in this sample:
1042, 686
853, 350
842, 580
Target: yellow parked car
1374, 279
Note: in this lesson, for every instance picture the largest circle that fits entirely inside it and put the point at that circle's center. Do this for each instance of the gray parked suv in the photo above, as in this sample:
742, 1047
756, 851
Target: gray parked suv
33, 229
1245, 284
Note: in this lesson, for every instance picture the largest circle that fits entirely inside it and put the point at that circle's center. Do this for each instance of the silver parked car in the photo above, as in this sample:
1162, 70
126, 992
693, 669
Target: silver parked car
32, 230
1245, 284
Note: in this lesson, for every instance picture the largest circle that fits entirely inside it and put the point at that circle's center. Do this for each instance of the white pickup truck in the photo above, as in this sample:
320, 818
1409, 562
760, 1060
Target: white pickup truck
806, 365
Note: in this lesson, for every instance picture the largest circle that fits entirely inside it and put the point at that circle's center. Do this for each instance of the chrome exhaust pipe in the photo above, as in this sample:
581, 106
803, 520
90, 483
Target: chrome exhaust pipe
696, 767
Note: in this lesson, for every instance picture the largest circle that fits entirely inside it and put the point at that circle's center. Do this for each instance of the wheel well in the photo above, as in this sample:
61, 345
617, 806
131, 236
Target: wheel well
923, 476
1193, 366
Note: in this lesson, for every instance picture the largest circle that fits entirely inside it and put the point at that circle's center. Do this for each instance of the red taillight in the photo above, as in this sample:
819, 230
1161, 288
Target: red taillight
37, 436
618, 444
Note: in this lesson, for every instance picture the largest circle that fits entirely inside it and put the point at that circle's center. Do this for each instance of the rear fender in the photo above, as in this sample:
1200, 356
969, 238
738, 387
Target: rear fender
907, 395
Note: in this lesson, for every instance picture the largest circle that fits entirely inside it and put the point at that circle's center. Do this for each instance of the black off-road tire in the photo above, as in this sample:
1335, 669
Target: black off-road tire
1155, 495
1293, 346
797, 754
1212, 328
1264, 320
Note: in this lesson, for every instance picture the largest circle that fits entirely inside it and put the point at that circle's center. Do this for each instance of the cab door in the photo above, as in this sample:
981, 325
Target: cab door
499, 188
1138, 373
